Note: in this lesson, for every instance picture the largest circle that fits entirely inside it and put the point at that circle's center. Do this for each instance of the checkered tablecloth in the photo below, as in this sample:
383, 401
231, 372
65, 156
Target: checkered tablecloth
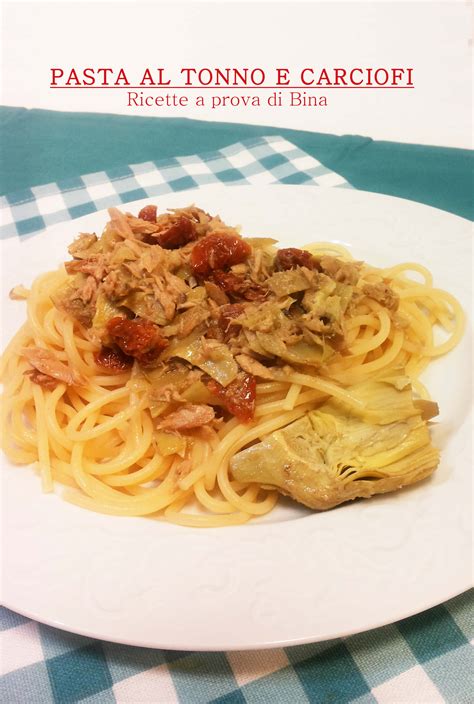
262, 160
424, 659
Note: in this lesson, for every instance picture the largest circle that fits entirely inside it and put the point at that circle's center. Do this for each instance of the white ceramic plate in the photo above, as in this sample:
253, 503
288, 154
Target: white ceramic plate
296, 576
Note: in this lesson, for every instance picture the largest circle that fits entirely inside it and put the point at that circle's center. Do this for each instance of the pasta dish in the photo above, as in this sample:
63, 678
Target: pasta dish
173, 368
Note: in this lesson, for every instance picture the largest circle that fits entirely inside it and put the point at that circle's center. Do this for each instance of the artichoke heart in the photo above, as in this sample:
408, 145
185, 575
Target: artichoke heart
215, 359
338, 453
105, 310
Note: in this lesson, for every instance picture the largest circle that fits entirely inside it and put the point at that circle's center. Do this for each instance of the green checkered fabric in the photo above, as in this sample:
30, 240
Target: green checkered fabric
260, 160
425, 659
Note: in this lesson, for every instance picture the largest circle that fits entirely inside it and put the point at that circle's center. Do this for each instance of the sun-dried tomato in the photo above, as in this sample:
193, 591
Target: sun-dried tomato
214, 331
238, 397
228, 313
291, 258
137, 338
179, 233
218, 252
238, 286
227, 281
148, 213
113, 360
147, 359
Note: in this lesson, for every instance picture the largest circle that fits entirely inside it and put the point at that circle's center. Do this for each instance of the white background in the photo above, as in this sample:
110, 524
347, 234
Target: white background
431, 37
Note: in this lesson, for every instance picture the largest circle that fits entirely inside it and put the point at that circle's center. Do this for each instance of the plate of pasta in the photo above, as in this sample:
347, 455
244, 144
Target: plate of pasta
237, 417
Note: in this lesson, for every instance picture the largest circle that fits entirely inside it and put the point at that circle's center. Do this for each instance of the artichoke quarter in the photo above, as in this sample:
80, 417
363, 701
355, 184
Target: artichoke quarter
341, 452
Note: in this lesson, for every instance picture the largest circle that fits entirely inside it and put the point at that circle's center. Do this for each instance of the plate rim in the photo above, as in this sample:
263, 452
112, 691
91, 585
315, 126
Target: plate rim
263, 644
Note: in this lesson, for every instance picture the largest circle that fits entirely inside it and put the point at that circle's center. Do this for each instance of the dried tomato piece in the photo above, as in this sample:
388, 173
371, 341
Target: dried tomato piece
238, 397
113, 360
227, 281
179, 233
228, 313
148, 213
238, 286
214, 331
147, 359
291, 258
137, 338
216, 251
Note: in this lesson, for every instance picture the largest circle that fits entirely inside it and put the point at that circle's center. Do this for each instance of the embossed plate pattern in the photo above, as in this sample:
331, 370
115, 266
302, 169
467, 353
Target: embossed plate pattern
295, 576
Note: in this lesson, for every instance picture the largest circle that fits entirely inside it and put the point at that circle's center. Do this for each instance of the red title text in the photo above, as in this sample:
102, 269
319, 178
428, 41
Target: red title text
189, 77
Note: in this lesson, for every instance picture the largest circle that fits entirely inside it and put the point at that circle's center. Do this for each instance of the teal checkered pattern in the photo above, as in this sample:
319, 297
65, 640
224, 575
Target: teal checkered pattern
425, 659
262, 160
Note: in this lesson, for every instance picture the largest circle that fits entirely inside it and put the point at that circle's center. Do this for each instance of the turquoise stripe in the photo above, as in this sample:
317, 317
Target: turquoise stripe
9, 619
431, 633
333, 676
77, 211
23, 196
25, 227
104, 697
201, 677
232, 698
79, 674
381, 654
461, 612
130, 196
365, 699
124, 662
55, 642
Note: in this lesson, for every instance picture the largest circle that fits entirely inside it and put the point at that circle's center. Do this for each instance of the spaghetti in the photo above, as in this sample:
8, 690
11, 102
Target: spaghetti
103, 434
